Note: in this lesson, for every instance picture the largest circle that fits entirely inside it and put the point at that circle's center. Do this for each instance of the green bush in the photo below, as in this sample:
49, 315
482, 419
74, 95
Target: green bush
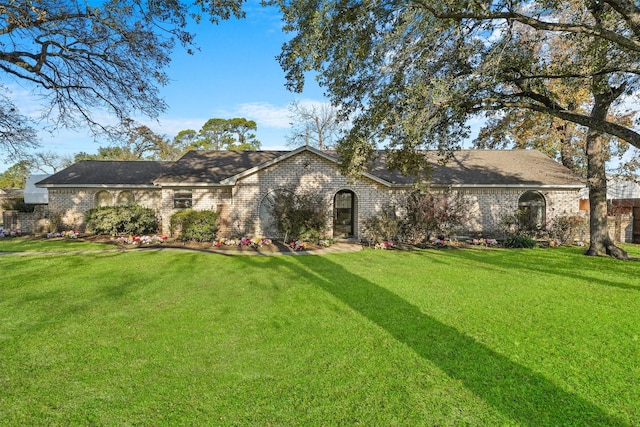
433, 213
520, 241
565, 227
136, 220
298, 215
199, 226
382, 227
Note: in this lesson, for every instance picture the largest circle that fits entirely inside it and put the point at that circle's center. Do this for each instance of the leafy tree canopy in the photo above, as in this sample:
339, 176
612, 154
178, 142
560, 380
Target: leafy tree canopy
89, 58
410, 74
220, 134
139, 143
16, 175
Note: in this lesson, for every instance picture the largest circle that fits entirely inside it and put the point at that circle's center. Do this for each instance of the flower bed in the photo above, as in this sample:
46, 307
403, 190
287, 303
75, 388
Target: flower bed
257, 242
384, 245
13, 233
141, 240
71, 234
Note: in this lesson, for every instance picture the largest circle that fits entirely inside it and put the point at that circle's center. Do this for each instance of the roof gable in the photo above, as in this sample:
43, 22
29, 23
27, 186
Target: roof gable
328, 155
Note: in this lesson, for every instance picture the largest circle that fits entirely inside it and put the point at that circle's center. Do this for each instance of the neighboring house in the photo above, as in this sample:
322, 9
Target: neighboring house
623, 208
7, 199
239, 184
624, 205
34, 195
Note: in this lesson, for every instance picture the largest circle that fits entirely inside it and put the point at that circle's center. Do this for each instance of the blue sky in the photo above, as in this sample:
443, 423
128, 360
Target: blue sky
234, 74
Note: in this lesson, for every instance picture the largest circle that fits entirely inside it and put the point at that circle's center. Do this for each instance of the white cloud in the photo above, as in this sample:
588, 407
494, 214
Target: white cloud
171, 126
265, 114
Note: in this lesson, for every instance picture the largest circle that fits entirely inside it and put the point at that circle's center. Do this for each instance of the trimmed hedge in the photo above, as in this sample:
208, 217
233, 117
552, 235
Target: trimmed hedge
114, 220
199, 226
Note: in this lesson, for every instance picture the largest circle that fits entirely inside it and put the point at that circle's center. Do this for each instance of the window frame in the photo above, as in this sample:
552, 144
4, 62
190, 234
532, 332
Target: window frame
129, 194
183, 199
533, 210
98, 197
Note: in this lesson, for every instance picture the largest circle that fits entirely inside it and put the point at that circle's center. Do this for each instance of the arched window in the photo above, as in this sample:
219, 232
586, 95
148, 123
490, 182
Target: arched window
104, 198
126, 198
532, 207
270, 204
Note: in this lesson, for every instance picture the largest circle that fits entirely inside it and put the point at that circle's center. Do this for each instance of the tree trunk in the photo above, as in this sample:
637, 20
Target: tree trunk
600, 242
566, 152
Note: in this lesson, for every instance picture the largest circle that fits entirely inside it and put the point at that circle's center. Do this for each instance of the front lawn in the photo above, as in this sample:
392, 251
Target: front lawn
435, 337
58, 244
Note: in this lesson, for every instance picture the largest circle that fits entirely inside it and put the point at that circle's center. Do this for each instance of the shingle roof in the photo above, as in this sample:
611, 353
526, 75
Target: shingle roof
107, 172
212, 167
489, 168
466, 167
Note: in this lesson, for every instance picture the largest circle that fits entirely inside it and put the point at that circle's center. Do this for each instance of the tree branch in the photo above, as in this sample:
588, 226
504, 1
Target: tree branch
622, 132
538, 24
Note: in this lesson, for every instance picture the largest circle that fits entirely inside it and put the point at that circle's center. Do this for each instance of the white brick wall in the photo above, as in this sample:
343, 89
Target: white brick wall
306, 171
203, 198
72, 203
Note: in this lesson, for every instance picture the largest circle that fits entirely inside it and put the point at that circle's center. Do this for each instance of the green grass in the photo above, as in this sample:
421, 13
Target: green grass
38, 244
448, 338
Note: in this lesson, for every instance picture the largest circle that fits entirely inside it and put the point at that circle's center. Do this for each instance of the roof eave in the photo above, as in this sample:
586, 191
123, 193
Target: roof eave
143, 186
519, 186
190, 184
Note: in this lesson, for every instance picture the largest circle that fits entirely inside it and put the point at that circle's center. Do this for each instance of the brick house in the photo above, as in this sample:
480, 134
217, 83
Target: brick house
238, 185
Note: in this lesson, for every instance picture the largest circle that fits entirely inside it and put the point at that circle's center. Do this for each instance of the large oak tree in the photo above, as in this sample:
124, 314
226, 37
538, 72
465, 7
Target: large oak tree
410, 74
91, 60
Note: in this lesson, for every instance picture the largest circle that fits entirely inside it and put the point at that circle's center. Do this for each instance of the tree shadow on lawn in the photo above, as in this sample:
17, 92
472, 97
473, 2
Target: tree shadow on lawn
514, 390
559, 264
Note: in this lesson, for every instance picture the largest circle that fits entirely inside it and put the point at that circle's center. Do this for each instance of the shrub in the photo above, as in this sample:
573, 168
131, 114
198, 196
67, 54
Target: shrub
433, 213
199, 226
383, 227
55, 221
520, 224
114, 220
298, 215
563, 228
520, 241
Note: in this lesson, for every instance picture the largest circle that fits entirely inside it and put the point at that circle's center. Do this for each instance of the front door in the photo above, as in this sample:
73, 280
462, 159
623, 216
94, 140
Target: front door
343, 214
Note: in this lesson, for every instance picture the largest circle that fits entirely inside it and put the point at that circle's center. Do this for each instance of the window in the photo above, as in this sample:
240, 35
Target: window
267, 205
182, 199
126, 198
532, 207
104, 198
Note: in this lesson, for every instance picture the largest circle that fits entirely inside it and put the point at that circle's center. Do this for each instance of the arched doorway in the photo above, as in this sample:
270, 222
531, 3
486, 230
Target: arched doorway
344, 210
532, 207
